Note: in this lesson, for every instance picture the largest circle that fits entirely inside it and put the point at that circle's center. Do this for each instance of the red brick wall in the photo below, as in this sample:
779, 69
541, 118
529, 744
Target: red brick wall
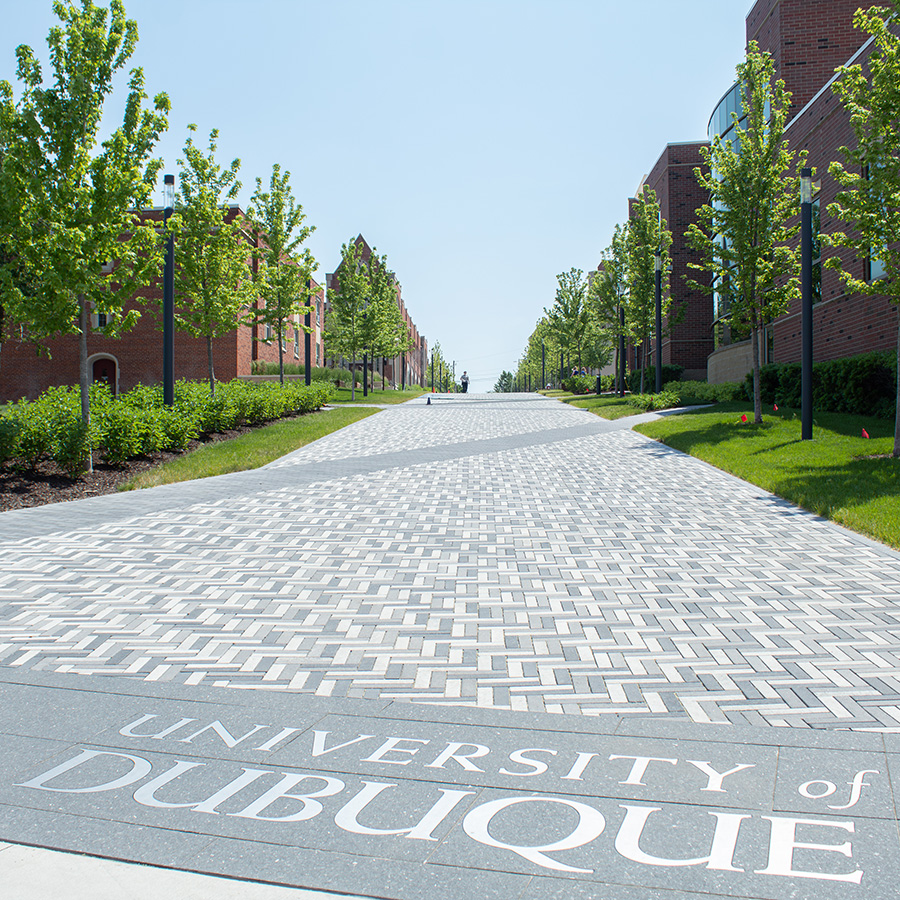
808, 39
690, 338
139, 352
843, 325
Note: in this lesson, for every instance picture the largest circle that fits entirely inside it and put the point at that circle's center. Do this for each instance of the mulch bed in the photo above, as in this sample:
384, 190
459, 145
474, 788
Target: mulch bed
47, 483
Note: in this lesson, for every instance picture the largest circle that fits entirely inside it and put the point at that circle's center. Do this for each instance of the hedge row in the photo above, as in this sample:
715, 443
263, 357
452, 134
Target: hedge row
138, 423
693, 393
647, 402
587, 384
261, 367
864, 385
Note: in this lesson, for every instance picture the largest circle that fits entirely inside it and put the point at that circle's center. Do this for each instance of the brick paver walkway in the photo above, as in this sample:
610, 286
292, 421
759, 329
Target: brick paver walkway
494, 551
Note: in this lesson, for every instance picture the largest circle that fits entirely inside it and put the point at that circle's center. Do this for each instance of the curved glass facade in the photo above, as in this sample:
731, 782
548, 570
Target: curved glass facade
721, 121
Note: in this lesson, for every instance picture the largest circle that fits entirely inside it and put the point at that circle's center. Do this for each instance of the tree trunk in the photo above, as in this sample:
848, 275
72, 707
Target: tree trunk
281, 355
897, 413
754, 353
84, 379
644, 346
209, 362
352, 382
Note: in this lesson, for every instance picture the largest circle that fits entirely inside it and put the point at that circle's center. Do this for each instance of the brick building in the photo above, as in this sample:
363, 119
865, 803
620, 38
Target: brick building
404, 369
136, 357
808, 40
688, 337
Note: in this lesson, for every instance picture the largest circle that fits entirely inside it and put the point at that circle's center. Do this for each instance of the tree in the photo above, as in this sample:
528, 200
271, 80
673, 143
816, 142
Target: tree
345, 331
647, 235
385, 331
283, 269
542, 353
504, 383
440, 366
76, 244
608, 289
569, 315
752, 196
870, 197
213, 284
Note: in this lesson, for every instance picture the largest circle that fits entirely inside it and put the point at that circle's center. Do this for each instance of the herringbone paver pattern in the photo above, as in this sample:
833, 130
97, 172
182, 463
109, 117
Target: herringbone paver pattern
511, 553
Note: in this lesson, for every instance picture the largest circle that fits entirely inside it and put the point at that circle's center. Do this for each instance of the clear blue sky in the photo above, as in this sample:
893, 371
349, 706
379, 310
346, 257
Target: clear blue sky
483, 145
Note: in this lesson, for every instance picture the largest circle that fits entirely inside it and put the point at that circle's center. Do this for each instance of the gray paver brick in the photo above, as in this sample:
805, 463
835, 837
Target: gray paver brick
489, 551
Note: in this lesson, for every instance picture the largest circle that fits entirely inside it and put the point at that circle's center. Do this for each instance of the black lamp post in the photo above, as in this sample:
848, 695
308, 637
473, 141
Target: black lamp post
806, 350
543, 366
307, 338
169, 296
657, 270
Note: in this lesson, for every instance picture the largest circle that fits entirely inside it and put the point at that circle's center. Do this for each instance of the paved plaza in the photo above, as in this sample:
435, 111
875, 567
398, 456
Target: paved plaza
445, 616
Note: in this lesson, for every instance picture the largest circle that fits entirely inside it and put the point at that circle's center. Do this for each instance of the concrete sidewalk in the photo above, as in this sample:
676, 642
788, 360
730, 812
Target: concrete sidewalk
496, 552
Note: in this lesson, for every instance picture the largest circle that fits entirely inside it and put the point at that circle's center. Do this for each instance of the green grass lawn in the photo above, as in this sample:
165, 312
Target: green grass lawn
342, 395
251, 450
838, 474
608, 406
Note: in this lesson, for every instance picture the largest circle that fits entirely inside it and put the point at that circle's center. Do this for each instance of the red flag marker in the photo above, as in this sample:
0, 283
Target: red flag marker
744, 418
865, 434
775, 407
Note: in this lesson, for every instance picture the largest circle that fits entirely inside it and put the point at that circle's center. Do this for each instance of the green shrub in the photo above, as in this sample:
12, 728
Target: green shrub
138, 422
580, 384
863, 385
318, 373
647, 402
71, 445
10, 429
692, 393
669, 373
120, 433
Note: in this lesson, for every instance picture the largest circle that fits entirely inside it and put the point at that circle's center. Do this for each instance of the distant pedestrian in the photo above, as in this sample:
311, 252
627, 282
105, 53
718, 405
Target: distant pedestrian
464, 381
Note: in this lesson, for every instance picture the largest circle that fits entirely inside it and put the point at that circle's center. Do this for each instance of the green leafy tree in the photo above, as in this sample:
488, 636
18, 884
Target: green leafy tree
73, 243
869, 199
542, 353
569, 316
744, 238
647, 233
609, 288
346, 328
283, 267
441, 367
213, 283
505, 383
385, 331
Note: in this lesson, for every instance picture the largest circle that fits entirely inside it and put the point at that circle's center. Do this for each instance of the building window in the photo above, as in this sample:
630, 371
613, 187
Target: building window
296, 343
268, 332
318, 312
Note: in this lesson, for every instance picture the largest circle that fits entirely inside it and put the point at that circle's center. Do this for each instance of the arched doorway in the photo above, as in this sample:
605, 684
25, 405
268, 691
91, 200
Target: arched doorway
104, 369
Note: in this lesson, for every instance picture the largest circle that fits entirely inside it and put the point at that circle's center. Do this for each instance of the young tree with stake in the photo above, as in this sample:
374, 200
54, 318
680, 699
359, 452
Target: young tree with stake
745, 238
283, 267
76, 244
213, 283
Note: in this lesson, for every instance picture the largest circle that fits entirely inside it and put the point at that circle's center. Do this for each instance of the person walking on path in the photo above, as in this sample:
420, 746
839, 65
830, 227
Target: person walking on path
464, 381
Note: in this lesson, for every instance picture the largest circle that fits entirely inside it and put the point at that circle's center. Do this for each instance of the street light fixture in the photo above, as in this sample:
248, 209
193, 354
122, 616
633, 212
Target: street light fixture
657, 269
806, 348
169, 296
